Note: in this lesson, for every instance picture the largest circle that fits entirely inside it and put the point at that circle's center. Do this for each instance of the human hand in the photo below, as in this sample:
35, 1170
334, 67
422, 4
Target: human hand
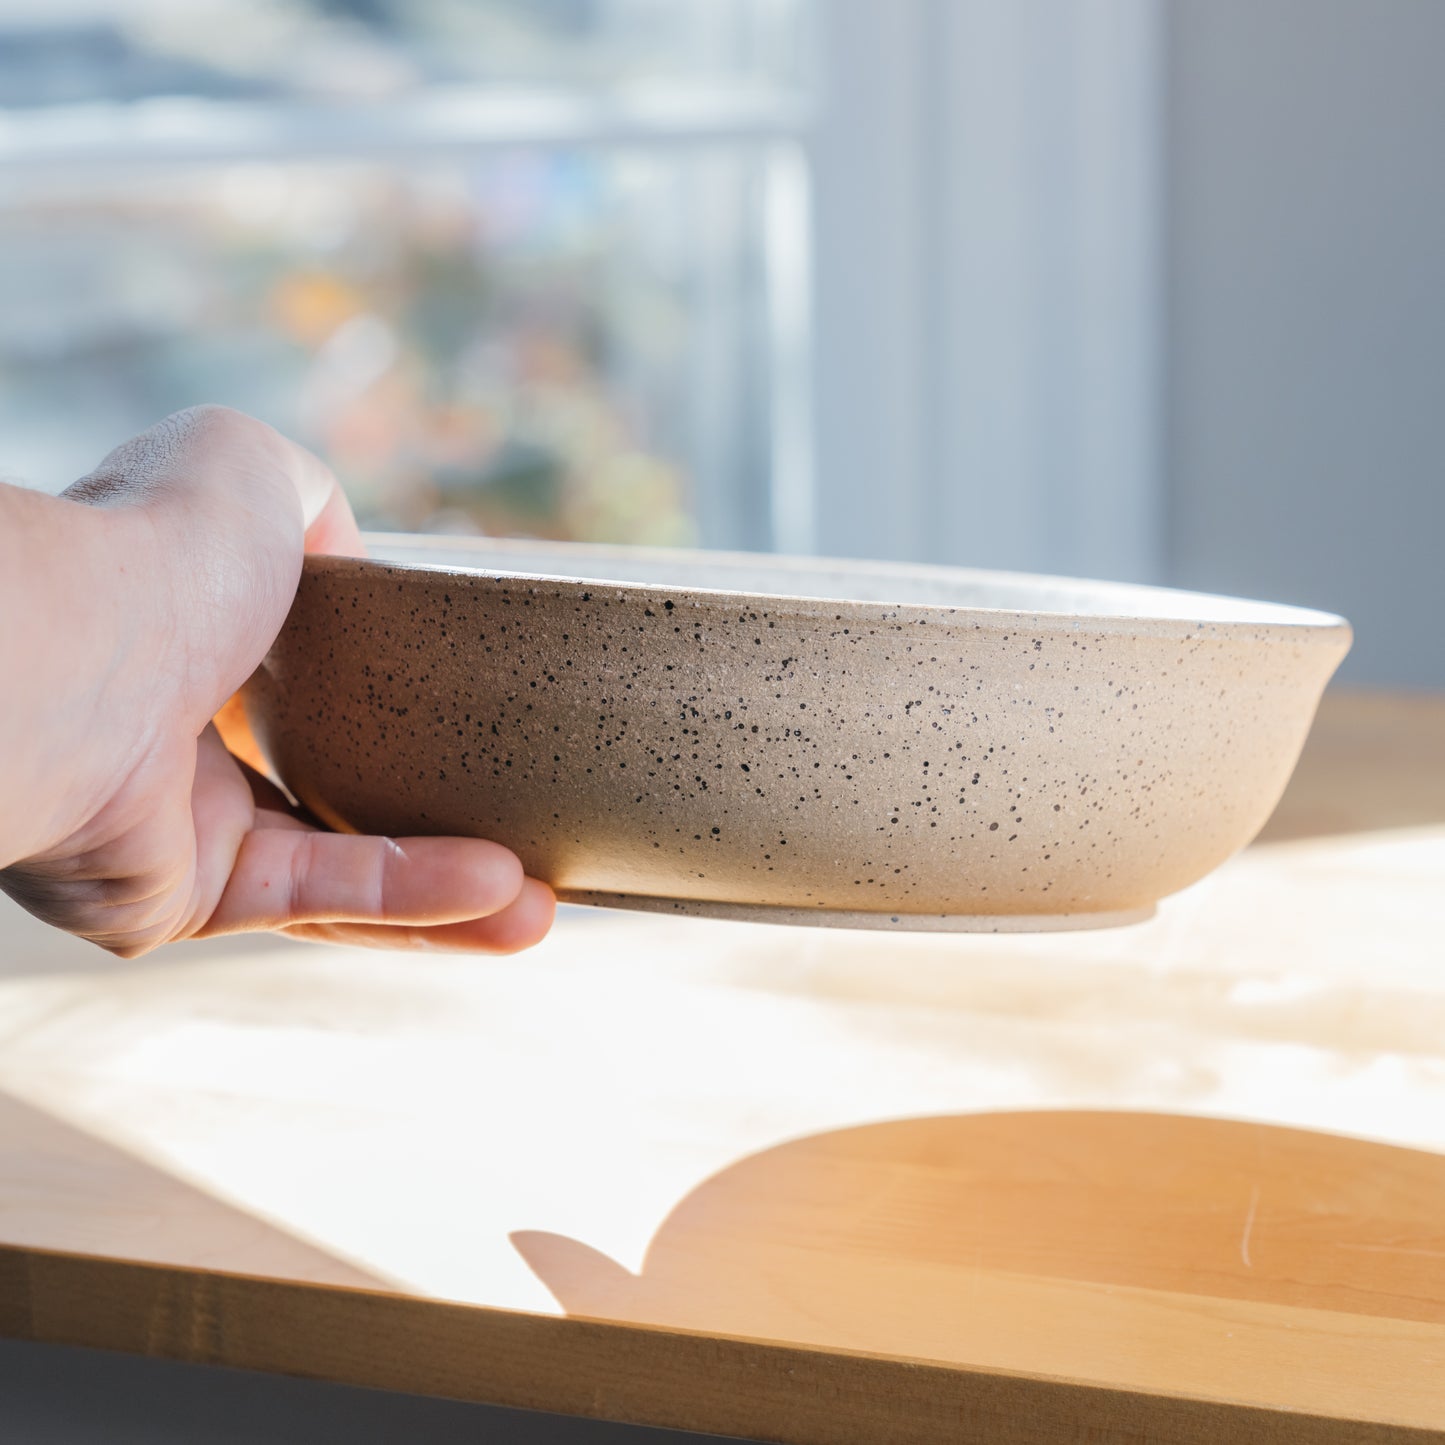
131, 608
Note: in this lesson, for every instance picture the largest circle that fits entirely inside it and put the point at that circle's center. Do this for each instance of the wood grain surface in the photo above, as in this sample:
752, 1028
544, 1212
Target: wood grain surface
1181, 1182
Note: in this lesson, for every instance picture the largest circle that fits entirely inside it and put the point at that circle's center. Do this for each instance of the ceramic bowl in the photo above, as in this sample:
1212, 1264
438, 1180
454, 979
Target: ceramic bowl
793, 740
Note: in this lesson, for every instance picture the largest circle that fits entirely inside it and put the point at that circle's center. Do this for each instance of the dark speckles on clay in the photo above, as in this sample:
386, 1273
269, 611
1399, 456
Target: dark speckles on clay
610, 734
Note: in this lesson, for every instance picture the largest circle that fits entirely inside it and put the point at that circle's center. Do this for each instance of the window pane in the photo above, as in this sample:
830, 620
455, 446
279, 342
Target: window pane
553, 310
568, 343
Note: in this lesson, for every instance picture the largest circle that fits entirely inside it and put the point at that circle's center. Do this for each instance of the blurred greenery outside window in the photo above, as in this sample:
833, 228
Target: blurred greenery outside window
510, 266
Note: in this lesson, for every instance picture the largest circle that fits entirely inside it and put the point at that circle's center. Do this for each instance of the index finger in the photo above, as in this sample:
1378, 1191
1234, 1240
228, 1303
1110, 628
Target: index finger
330, 524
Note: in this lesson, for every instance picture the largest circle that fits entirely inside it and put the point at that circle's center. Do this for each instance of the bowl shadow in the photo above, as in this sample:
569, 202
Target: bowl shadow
915, 1237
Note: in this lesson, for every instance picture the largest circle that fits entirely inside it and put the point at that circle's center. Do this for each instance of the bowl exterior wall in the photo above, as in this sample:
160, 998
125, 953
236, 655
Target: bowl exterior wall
788, 754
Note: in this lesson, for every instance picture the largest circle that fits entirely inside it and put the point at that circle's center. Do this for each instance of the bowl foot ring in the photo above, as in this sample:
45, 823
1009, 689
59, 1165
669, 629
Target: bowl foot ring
859, 918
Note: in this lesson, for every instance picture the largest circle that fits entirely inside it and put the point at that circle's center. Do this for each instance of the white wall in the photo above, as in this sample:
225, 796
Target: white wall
1305, 317
986, 210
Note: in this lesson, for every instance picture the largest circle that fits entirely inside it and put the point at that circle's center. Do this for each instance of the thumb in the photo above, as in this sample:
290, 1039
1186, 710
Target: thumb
229, 507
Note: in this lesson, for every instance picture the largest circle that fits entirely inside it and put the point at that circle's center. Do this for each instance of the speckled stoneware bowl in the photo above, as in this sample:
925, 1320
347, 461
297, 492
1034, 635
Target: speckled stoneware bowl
795, 741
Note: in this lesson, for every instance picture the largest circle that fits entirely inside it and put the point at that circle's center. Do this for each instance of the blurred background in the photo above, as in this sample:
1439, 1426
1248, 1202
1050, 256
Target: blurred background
1114, 287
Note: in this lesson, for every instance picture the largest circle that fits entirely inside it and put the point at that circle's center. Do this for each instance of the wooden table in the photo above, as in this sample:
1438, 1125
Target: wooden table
1182, 1182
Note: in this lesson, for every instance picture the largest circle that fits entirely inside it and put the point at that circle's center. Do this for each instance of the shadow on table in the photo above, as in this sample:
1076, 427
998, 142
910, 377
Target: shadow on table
1373, 761
67, 1191
64, 1191
914, 1237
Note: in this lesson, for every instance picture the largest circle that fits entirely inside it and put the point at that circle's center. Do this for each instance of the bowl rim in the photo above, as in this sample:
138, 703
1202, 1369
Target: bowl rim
1286, 621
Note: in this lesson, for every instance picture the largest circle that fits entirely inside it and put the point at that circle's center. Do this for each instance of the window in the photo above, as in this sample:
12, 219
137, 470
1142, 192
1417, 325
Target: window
507, 265
843, 275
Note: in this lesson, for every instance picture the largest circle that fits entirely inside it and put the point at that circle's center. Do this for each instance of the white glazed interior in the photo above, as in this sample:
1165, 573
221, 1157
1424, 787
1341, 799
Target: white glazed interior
825, 579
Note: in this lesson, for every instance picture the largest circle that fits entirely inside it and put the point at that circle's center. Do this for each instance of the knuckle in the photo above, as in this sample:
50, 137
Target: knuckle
141, 467
300, 901
391, 856
211, 416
